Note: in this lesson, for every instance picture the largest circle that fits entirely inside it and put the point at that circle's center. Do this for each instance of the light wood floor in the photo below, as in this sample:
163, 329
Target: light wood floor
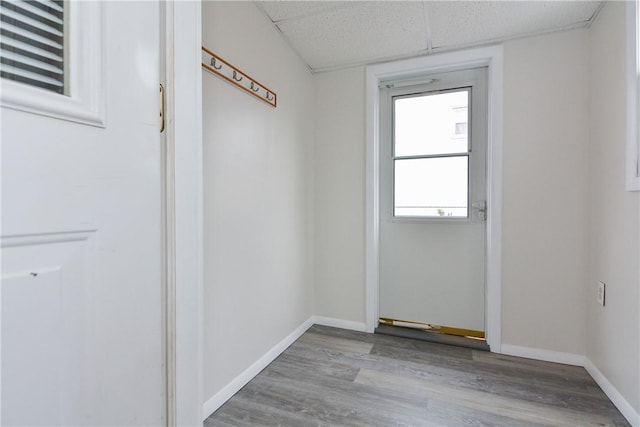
332, 377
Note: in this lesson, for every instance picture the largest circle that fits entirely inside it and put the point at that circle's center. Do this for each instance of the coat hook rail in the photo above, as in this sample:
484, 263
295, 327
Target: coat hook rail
236, 77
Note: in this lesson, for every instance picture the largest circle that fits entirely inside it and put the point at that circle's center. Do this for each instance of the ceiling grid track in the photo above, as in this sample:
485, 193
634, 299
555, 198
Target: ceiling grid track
427, 24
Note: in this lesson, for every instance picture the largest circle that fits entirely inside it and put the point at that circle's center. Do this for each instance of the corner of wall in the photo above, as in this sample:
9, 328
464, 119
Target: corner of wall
217, 400
613, 339
625, 408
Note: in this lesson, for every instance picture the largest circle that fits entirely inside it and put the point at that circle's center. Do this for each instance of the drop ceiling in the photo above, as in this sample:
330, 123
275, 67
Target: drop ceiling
329, 35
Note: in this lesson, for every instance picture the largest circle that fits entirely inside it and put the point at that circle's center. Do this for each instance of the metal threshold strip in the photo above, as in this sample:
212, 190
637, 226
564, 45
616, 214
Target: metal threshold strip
433, 333
469, 333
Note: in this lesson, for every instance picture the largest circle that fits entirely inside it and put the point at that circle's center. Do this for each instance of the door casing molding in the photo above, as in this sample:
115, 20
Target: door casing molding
184, 224
492, 58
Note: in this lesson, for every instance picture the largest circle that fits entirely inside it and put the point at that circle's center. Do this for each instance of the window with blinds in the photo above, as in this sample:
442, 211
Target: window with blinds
32, 43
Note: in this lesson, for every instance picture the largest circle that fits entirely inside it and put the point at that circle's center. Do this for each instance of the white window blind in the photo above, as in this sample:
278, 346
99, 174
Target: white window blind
32, 43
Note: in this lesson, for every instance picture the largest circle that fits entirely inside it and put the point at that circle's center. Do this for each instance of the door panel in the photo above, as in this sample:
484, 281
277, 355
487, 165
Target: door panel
433, 274
432, 229
81, 297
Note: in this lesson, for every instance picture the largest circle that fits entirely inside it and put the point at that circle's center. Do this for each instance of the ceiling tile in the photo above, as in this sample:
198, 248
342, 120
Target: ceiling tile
281, 10
364, 31
455, 23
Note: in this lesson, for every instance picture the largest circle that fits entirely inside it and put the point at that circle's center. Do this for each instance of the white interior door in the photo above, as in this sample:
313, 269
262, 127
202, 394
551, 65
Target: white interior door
82, 298
432, 200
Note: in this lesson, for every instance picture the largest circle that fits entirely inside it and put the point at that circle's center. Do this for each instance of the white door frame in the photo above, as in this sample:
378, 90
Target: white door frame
184, 213
491, 57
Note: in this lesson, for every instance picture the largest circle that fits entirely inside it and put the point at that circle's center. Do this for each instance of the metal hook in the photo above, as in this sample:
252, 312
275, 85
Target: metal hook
266, 95
235, 74
254, 87
213, 63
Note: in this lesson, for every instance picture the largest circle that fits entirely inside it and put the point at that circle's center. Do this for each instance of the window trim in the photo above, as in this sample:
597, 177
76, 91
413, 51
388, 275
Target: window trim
633, 98
85, 101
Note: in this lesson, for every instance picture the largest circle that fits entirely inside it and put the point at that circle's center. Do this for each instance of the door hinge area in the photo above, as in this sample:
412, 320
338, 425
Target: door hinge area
161, 108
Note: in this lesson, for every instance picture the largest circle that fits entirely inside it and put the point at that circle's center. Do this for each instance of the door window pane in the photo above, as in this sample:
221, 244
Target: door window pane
32, 43
431, 124
431, 187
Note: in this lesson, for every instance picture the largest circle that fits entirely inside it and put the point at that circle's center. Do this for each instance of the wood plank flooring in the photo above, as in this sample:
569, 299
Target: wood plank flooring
335, 377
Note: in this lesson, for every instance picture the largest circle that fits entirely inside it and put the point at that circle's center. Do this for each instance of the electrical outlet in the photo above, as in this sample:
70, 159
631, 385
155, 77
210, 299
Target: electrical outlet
600, 296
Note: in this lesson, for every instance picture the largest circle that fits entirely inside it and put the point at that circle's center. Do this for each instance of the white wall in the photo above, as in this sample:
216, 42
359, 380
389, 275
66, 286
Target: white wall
545, 192
613, 333
339, 166
258, 194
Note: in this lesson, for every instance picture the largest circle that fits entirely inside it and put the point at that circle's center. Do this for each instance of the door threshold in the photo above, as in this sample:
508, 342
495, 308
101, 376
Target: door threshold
430, 336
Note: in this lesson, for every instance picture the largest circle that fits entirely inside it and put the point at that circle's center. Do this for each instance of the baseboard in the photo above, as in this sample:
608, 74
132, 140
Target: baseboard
339, 323
577, 360
545, 355
211, 405
613, 394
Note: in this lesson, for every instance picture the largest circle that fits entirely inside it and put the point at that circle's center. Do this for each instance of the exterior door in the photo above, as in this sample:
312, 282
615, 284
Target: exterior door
82, 297
432, 201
